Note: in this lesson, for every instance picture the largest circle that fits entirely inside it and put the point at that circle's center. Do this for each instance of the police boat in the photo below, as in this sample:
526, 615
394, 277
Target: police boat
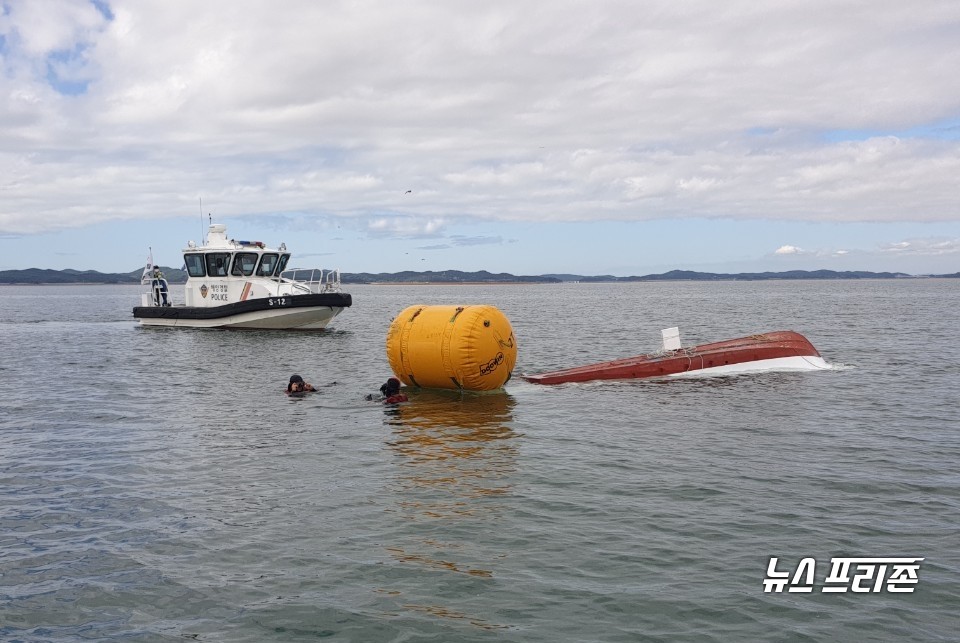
243, 285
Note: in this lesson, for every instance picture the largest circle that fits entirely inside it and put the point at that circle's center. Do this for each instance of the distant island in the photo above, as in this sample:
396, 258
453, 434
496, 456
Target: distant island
174, 275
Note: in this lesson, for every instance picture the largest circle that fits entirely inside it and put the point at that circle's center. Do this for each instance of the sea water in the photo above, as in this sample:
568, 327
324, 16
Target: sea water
157, 485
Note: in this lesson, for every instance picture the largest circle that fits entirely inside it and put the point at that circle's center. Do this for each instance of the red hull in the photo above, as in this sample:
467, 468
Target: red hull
784, 343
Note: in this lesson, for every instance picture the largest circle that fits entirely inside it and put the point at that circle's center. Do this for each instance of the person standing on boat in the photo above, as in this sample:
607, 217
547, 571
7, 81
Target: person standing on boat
159, 287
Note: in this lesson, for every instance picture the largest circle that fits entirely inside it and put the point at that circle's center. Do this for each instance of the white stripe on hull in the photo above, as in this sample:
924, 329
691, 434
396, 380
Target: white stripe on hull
289, 318
795, 363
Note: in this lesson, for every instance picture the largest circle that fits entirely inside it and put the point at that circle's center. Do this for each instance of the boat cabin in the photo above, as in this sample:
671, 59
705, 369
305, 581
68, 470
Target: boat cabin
225, 258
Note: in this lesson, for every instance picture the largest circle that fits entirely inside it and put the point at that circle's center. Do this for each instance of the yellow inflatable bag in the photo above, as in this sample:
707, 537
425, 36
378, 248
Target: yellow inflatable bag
470, 348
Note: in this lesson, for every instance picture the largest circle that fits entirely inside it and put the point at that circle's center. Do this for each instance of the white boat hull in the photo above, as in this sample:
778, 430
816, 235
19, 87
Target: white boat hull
283, 319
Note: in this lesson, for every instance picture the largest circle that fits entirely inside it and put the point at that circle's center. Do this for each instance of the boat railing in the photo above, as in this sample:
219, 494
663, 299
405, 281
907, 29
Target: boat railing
157, 294
310, 281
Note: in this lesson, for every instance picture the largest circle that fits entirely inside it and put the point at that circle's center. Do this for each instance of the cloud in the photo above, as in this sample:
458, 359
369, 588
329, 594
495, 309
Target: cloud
506, 175
40, 29
788, 250
923, 247
897, 247
410, 227
460, 240
796, 251
918, 255
487, 111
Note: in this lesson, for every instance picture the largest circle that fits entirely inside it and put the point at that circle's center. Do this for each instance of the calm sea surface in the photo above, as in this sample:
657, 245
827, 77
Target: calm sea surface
157, 485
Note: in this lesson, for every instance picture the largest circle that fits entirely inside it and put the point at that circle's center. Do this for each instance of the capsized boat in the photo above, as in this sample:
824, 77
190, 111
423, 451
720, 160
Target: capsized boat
783, 350
243, 284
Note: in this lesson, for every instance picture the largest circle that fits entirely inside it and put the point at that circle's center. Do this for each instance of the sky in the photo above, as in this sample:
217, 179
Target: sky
526, 136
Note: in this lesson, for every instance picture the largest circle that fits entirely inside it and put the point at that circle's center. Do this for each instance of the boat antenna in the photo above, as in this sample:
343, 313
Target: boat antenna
202, 237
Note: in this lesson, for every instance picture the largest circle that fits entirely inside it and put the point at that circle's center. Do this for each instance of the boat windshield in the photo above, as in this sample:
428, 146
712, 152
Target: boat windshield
244, 263
217, 263
195, 265
283, 263
268, 263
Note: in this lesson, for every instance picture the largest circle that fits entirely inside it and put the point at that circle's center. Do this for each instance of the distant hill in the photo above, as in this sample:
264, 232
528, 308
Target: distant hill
568, 277
455, 276
443, 276
687, 275
45, 276
176, 276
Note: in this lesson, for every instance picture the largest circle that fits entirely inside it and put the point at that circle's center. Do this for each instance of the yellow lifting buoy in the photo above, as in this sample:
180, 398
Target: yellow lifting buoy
470, 348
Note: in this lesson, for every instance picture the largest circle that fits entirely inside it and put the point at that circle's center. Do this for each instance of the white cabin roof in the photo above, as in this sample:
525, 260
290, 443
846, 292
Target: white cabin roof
217, 240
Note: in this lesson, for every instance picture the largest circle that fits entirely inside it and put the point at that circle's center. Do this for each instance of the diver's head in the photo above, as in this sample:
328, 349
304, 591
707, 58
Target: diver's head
296, 383
392, 387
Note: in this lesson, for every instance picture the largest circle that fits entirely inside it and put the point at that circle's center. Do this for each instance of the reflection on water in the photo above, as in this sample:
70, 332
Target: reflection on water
456, 457
442, 612
169, 490
436, 563
453, 449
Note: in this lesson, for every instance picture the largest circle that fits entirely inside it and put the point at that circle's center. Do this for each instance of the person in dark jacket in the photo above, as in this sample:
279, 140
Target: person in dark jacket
297, 385
159, 284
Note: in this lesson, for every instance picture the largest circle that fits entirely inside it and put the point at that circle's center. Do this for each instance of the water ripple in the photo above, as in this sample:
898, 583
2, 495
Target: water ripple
169, 491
